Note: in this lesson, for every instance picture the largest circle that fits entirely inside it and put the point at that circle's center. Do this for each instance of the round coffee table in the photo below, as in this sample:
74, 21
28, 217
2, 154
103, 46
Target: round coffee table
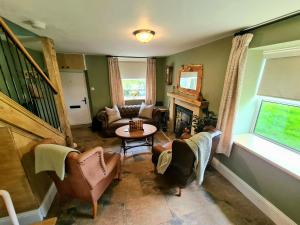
137, 135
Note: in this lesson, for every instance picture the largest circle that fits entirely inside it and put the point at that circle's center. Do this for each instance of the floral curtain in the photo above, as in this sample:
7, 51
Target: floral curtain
115, 82
231, 91
151, 81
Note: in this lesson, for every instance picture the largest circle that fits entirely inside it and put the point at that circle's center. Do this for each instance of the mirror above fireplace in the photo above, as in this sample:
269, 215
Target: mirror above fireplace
189, 80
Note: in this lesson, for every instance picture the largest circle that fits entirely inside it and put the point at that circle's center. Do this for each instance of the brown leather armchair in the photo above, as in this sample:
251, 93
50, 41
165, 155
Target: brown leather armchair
88, 174
181, 169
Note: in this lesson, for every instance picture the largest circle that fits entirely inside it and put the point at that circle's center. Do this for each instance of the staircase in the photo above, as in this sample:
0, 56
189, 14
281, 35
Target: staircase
31, 108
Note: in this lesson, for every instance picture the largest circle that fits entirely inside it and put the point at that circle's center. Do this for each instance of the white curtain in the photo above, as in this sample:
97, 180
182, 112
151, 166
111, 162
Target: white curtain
151, 81
115, 82
231, 91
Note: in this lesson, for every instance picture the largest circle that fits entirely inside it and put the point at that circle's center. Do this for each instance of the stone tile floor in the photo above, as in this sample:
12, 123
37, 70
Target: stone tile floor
142, 197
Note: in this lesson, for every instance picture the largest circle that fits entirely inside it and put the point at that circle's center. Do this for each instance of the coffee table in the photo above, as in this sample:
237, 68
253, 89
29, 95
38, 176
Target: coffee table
127, 137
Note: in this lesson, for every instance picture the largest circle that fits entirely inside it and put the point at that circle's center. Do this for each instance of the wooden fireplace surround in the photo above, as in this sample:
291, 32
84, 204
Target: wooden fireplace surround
185, 101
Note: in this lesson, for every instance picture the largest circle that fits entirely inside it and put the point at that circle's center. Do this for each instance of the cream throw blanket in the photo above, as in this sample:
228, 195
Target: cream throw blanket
200, 144
50, 157
164, 161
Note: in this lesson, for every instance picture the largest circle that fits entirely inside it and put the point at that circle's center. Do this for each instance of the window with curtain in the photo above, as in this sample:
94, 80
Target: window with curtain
278, 118
133, 75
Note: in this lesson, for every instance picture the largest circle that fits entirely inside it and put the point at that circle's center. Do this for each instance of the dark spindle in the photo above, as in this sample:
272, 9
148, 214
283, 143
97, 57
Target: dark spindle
55, 110
41, 94
35, 90
46, 97
33, 110
32, 88
51, 105
9, 69
4, 79
15, 62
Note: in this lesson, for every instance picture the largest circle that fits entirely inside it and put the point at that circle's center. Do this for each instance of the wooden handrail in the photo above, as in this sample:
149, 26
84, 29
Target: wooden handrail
25, 52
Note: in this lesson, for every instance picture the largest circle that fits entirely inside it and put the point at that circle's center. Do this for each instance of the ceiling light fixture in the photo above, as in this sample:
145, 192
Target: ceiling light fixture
144, 35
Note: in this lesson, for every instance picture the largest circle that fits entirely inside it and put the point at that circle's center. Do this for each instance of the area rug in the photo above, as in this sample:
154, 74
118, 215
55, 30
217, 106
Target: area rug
143, 198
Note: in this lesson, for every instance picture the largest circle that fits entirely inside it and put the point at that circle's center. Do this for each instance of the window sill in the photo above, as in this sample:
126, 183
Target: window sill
135, 99
280, 157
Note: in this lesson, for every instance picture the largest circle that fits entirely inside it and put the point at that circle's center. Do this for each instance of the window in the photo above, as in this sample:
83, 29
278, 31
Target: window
279, 122
133, 74
134, 88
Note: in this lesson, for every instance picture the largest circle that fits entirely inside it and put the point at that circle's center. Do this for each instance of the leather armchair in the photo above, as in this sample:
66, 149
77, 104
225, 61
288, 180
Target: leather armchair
88, 174
181, 169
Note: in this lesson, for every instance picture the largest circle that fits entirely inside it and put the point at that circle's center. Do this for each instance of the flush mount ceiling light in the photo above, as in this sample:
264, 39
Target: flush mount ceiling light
144, 36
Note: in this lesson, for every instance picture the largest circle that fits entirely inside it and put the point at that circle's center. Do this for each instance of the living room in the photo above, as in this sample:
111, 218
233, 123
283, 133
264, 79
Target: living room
154, 112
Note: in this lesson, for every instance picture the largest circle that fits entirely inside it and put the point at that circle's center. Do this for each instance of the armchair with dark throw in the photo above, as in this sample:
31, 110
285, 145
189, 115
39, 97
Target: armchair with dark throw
89, 173
180, 172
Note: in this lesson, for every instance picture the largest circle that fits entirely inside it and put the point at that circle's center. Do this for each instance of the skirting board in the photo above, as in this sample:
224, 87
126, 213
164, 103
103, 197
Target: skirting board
277, 216
35, 215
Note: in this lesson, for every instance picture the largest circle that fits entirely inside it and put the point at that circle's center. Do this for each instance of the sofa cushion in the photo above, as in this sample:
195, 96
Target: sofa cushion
146, 111
129, 111
119, 123
113, 114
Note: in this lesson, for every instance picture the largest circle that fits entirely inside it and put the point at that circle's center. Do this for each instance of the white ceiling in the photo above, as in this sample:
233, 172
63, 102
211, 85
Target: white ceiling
106, 26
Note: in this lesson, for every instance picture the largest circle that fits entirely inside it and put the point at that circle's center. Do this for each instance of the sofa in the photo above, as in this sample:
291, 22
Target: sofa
127, 112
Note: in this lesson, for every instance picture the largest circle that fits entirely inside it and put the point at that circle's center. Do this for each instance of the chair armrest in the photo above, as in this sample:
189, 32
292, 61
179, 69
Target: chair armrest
113, 162
156, 114
92, 166
214, 131
103, 118
161, 148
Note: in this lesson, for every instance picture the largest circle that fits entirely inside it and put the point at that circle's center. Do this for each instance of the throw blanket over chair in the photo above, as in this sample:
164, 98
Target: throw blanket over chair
88, 174
181, 170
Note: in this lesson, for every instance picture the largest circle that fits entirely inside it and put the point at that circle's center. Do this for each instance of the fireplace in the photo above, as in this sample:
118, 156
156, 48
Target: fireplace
183, 120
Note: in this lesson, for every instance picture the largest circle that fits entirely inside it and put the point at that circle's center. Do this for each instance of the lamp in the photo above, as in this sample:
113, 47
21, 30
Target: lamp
144, 35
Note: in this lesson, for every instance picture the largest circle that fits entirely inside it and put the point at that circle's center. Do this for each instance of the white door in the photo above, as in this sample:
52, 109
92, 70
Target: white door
76, 98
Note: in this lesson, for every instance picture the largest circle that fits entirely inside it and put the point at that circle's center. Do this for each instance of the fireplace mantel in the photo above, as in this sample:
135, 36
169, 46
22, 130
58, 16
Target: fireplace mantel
185, 98
185, 101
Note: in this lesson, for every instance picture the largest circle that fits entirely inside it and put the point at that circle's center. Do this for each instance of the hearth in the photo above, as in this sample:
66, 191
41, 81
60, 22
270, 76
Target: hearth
183, 120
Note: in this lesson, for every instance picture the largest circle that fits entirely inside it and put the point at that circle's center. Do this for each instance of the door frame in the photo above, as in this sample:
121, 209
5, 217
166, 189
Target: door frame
84, 73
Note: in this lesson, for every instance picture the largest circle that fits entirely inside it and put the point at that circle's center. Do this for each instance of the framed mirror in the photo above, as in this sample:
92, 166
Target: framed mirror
189, 79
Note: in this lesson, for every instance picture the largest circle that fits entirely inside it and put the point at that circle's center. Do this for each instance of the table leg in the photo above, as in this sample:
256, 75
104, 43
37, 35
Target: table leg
152, 142
123, 146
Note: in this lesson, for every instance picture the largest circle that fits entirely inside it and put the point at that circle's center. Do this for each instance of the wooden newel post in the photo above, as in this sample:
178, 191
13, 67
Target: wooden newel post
54, 75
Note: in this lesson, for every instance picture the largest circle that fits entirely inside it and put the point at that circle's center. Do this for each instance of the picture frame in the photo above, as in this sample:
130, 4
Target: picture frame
169, 75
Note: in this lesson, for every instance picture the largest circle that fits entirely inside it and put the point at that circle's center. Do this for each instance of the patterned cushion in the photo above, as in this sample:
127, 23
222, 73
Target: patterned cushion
146, 111
113, 114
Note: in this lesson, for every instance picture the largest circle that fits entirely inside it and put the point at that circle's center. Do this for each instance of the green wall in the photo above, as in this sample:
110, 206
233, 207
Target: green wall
97, 74
281, 189
160, 79
272, 183
214, 57
284, 31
